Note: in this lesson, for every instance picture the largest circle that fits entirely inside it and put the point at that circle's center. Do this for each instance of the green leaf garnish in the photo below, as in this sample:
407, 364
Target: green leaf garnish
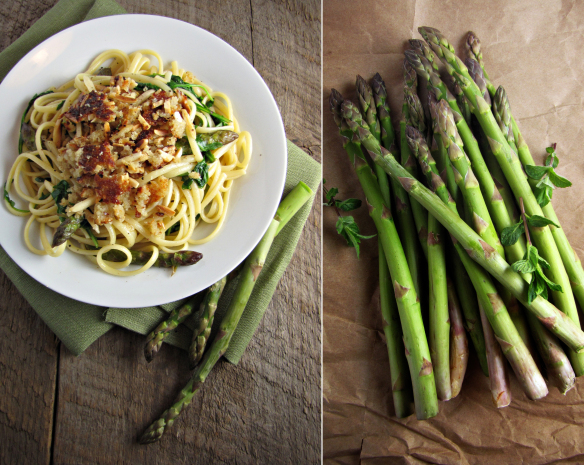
11, 202
347, 228
536, 221
511, 234
348, 205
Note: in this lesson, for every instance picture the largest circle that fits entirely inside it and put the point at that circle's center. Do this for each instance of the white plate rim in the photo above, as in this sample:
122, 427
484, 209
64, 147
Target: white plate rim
275, 144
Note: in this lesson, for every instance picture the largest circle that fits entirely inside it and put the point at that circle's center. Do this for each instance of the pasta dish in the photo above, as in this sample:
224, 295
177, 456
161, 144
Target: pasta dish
125, 162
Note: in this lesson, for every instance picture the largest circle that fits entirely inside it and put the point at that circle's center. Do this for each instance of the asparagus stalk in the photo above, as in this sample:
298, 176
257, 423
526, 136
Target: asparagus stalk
248, 276
403, 210
497, 373
438, 309
205, 318
483, 254
409, 162
164, 260
458, 341
514, 349
155, 339
416, 344
400, 380
401, 385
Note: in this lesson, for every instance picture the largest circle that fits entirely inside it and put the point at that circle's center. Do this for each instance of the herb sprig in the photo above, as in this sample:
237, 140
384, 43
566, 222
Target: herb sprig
547, 178
346, 225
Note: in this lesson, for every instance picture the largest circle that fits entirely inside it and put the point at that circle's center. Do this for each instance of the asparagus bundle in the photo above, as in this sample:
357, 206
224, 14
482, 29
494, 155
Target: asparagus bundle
482, 171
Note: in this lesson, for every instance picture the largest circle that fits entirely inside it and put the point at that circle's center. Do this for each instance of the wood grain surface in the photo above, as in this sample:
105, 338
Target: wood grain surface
58, 408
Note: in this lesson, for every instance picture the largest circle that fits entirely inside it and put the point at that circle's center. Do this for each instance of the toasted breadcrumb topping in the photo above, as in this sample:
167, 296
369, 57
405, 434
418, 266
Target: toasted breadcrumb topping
109, 141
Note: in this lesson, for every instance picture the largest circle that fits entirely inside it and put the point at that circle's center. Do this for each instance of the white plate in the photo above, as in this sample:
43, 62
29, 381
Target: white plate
254, 198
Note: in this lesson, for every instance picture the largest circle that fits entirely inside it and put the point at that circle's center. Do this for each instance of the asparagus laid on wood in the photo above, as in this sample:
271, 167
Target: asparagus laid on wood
247, 279
289, 206
498, 376
155, 339
458, 341
400, 379
556, 321
514, 349
205, 318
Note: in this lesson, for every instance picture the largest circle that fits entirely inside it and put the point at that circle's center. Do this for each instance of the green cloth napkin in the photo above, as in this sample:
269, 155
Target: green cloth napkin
77, 324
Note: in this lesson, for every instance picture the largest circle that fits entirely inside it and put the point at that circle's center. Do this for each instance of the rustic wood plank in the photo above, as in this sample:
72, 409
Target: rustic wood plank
28, 349
286, 41
28, 373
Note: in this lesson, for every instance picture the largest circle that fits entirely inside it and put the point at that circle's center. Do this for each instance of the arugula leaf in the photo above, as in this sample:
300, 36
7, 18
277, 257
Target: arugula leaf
203, 170
146, 85
183, 143
176, 81
511, 234
60, 105
209, 157
23, 121
85, 225
60, 191
536, 221
11, 202
174, 228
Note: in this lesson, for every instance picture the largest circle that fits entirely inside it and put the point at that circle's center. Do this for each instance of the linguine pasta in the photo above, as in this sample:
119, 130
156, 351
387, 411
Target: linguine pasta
127, 156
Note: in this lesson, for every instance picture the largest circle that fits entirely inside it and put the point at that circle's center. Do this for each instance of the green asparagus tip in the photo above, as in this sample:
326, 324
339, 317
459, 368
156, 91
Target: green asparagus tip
335, 102
473, 45
476, 73
410, 75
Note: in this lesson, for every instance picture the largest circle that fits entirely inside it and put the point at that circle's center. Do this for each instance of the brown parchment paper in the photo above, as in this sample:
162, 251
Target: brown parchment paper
535, 50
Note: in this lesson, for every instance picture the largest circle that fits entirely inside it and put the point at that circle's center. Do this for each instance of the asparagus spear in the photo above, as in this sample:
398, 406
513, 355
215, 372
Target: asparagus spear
248, 276
400, 380
206, 315
287, 209
158, 335
483, 254
458, 341
514, 348
164, 260
473, 45
497, 373
66, 229
401, 384
464, 287
439, 322
409, 162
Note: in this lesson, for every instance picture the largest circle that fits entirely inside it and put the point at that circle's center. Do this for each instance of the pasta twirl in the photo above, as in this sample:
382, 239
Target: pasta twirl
126, 156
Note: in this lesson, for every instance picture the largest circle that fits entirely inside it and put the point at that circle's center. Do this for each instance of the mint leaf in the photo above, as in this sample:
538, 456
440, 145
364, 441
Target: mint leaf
536, 172
536, 221
347, 228
559, 181
331, 193
348, 205
511, 234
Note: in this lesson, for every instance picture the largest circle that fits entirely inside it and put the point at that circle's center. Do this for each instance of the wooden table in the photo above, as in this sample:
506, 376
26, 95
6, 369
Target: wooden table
58, 408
